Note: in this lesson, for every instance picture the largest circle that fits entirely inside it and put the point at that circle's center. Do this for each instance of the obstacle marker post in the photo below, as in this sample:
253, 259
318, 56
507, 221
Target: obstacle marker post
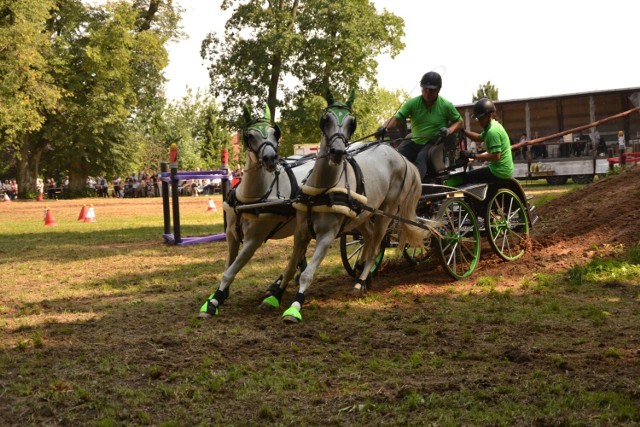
173, 158
164, 167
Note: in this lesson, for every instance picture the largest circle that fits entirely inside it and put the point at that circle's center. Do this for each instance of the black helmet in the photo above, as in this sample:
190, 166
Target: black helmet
483, 107
431, 80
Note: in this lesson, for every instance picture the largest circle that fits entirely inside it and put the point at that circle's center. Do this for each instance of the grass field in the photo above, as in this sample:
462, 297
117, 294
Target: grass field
98, 327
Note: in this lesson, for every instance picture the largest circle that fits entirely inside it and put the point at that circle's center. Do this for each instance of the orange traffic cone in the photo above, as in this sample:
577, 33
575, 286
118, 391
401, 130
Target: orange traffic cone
83, 213
6, 197
40, 197
49, 220
91, 215
212, 206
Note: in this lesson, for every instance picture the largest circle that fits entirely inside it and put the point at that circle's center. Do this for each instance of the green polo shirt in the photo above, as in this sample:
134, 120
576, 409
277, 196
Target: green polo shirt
427, 121
496, 140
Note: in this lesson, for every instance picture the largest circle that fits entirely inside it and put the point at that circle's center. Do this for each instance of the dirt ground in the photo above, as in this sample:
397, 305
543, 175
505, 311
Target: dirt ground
142, 358
605, 213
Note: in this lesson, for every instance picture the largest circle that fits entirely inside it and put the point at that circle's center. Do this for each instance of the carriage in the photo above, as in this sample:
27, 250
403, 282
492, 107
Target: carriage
440, 216
467, 212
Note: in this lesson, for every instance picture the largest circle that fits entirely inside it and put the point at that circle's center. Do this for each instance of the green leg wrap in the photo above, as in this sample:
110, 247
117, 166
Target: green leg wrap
209, 308
272, 301
293, 312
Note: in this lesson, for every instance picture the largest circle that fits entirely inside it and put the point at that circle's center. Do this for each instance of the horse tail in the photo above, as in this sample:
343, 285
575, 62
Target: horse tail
410, 195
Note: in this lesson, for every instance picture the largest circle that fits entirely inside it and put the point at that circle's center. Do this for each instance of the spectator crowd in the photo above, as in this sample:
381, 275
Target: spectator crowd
132, 186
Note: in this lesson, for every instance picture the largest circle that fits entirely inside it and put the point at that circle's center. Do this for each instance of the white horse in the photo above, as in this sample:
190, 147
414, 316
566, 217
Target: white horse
331, 203
265, 179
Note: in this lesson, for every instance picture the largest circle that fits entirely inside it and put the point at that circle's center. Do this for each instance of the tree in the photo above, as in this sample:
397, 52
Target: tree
75, 80
116, 77
28, 91
214, 136
371, 108
269, 46
374, 107
486, 90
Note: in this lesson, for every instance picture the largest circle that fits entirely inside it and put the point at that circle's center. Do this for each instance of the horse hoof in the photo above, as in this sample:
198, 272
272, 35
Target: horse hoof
269, 304
266, 307
208, 310
357, 292
292, 315
290, 319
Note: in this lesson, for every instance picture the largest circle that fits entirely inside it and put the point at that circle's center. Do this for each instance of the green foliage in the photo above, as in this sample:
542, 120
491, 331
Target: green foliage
93, 74
193, 125
371, 108
300, 123
375, 105
486, 90
27, 88
77, 193
313, 45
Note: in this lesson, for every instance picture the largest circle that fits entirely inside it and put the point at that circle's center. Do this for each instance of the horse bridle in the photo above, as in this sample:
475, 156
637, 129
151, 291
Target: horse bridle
261, 127
340, 112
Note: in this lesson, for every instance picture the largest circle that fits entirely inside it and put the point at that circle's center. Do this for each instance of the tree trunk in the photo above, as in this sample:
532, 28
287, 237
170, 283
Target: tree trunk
276, 63
27, 165
150, 15
77, 173
272, 98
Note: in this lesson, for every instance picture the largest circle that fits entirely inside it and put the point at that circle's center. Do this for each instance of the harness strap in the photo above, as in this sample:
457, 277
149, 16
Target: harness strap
284, 210
335, 199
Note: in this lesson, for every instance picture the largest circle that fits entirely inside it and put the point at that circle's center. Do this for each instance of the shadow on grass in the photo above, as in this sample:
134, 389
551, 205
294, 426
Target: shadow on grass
62, 246
145, 359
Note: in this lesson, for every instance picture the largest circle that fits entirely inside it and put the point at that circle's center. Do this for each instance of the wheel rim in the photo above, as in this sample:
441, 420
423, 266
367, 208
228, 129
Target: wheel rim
508, 225
416, 256
351, 246
459, 247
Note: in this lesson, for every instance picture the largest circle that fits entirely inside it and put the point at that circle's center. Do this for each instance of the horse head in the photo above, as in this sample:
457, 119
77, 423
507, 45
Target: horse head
337, 125
261, 138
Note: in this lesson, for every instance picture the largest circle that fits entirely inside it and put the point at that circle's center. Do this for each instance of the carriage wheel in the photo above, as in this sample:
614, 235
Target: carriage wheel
417, 256
351, 246
557, 180
507, 225
459, 247
582, 179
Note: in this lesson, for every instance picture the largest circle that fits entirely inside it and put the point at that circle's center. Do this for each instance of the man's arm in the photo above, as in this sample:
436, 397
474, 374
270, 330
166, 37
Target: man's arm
472, 135
392, 123
456, 126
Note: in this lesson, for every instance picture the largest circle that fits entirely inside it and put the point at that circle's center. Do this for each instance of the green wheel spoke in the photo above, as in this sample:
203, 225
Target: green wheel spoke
460, 246
508, 225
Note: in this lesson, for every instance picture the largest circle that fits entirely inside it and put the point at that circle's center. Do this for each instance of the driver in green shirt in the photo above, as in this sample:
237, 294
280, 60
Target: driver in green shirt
431, 116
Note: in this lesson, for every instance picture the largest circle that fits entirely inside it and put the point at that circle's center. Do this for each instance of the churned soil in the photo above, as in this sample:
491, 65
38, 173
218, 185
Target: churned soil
594, 220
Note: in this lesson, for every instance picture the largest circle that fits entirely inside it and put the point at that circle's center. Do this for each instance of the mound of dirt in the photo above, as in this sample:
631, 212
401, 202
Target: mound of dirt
573, 228
607, 211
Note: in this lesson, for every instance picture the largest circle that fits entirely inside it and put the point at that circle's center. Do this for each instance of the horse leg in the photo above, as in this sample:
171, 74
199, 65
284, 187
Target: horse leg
273, 294
323, 243
253, 240
301, 239
372, 245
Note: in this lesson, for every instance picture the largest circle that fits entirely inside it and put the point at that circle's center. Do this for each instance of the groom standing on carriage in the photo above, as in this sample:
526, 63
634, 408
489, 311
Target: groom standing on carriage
431, 116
